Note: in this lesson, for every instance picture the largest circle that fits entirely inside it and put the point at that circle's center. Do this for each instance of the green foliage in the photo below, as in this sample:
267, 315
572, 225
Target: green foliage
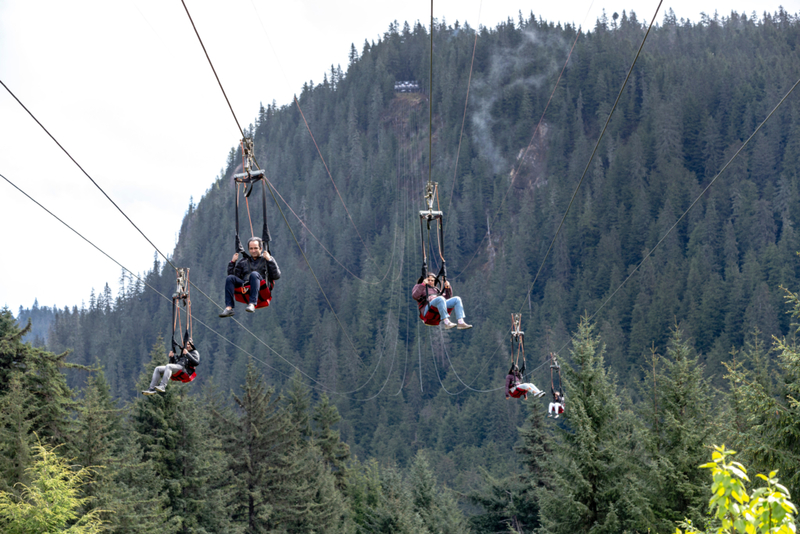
599, 481
175, 440
766, 510
326, 437
412, 388
765, 422
682, 426
52, 500
16, 437
513, 500
383, 501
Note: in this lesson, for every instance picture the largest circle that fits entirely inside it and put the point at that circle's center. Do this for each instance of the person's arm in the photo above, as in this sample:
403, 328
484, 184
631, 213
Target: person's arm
273, 271
194, 358
509, 380
418, 292
448, 290
232, 264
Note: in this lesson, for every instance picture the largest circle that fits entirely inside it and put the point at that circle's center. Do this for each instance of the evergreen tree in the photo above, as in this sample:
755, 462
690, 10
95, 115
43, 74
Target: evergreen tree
334, 451
381, 502
513, 501
174, 438
598, 485
51, 502
16, 439
39, 374
766, 426
436, 506
280, 479
682, 428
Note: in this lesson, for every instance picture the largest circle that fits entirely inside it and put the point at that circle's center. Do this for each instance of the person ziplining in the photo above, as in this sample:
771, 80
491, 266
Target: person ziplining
252, 273
429, 297
514, 386
556, 407
433, 293
256, 269
183, 358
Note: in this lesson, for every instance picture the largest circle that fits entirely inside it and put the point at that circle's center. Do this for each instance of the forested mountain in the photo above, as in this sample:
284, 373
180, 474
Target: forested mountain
41, 318
343, 325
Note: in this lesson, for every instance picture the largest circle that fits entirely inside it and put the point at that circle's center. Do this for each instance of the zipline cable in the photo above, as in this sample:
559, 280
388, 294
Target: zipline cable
696, 200
334, 258
430, 108
283, 215
166, 259
322, 386
297, 102
535, 131
239, 126
134, 275
469, 386
466, 101
86, 174
594, 151
407, 327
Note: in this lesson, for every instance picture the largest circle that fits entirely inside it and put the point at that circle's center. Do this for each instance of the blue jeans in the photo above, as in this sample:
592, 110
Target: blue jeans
442, 305
233, 282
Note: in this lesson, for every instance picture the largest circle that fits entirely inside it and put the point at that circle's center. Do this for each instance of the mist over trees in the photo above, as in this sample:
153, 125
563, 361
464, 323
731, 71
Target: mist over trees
340, 412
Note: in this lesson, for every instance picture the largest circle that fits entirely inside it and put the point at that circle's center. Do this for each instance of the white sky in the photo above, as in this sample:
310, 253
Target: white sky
125, 87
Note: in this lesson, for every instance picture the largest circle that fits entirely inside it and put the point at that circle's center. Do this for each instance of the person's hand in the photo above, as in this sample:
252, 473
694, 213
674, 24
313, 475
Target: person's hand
185, 351
171, 354
235, 257
266, 256
447, 284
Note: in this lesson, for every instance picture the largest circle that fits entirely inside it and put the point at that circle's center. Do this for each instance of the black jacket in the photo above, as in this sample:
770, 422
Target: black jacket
188, 361
268, 270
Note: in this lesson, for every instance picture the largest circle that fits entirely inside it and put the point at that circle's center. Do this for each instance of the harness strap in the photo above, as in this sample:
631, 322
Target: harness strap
265, 237
238, 243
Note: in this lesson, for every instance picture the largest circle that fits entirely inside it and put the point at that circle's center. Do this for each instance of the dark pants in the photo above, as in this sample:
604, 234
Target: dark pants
233, 282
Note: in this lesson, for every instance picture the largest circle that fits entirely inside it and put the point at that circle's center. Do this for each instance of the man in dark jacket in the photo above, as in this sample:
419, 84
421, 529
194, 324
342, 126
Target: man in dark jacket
426, 294
186, 362
250, 270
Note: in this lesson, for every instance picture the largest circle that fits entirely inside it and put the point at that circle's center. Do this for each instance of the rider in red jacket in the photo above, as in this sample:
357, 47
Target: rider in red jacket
428, 295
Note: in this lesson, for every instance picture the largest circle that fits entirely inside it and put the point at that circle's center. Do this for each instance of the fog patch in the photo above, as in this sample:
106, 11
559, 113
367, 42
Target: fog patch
507, 68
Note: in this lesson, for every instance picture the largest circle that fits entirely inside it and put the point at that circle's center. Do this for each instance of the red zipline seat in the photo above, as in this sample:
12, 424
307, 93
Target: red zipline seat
432, 318
518, 393
264, 294
183, 376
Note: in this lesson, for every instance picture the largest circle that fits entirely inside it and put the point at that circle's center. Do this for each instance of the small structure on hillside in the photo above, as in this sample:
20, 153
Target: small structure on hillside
406, 87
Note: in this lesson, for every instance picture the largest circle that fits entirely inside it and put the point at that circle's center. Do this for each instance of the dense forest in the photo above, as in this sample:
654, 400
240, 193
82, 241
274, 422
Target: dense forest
335, 409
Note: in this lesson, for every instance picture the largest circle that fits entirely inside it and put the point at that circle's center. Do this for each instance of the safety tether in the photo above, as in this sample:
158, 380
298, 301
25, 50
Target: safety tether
246, 179
432, 188
181, 296
426, 217
555, 376
517, 341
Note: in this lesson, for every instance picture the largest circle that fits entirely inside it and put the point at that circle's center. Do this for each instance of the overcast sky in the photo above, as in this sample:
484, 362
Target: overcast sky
125, 87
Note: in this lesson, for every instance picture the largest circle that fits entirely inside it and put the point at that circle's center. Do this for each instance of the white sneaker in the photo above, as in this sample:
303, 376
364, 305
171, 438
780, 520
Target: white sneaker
250, 308
162, 389
150, 391
540, 394
448, 325
556, 417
